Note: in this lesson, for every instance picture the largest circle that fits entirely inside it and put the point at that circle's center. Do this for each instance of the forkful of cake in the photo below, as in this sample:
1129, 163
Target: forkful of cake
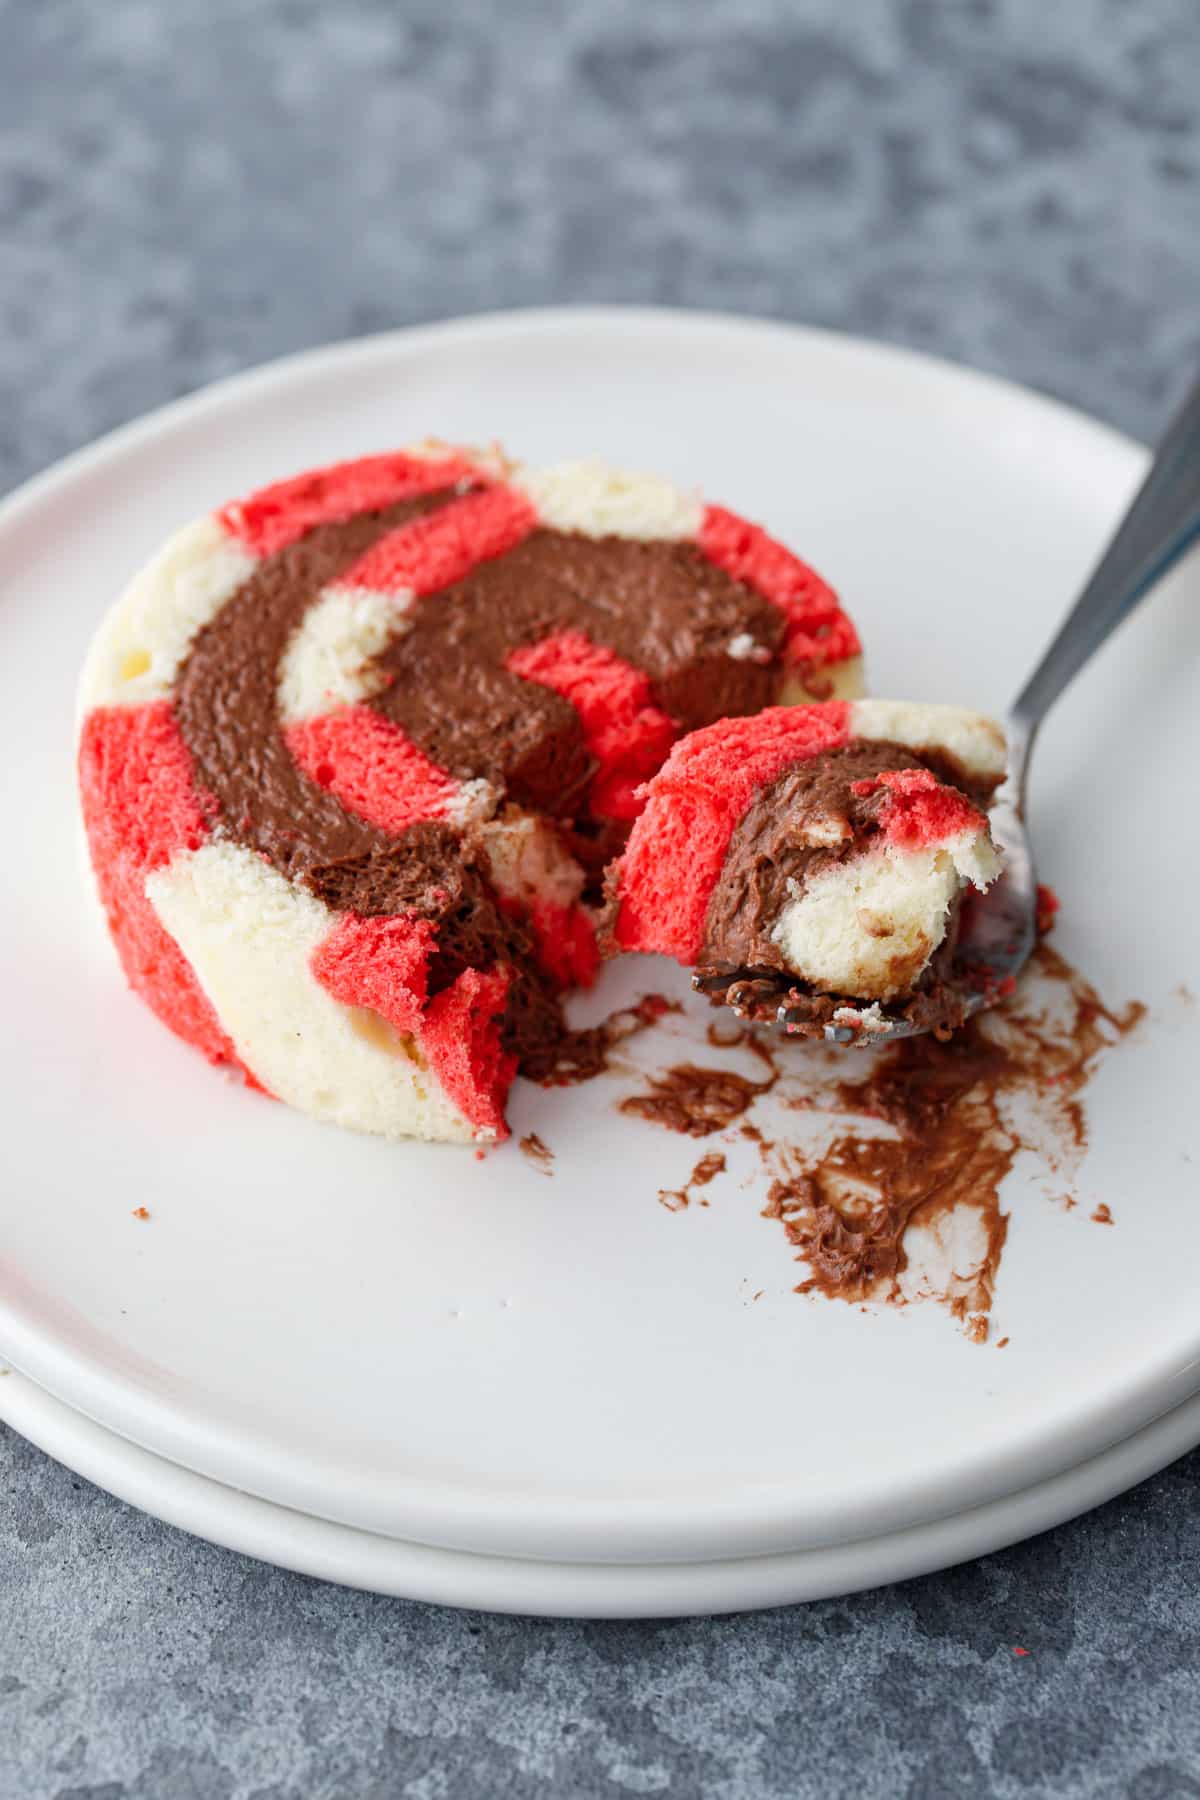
861, 870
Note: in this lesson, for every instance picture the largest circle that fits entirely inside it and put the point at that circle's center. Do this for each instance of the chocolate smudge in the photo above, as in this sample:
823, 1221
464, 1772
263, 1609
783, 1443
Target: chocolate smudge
700, 1101
697, 1101
539, 1154
927, 1137
706, 1170
955, 1116
583, 1054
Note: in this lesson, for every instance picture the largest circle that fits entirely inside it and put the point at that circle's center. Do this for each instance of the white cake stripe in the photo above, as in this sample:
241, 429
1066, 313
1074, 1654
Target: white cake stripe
137, 652
327, 661
250, 936
475, 801
488, 460
599, 501
527, 862
976, 742
868, 926
845, 682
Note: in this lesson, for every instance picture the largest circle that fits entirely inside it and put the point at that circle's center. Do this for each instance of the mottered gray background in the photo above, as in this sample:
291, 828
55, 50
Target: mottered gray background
188, 187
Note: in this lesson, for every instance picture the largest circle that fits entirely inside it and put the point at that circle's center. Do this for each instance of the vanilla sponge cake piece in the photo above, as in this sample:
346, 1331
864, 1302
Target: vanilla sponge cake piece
815, 855
352, 748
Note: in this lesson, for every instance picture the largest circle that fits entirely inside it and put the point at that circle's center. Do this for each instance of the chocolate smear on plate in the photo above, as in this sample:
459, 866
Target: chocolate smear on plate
580, 1055
706, 1170
901, 1199
698, 1100
539, 1154
930, 1134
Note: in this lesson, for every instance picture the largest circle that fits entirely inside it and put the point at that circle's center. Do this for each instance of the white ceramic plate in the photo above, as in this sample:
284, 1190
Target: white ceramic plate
474, 1356
385, 1565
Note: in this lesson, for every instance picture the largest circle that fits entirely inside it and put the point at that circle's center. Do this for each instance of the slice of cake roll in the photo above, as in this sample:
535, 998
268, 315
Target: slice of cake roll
354, 748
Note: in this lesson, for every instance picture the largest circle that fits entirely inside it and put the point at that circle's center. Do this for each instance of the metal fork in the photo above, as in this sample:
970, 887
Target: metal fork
1000, 927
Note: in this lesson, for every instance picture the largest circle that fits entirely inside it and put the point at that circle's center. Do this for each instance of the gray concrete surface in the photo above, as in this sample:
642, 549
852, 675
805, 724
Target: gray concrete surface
190, 186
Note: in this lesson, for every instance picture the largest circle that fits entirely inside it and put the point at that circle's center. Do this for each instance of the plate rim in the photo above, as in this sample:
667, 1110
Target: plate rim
278, 370
350, 1557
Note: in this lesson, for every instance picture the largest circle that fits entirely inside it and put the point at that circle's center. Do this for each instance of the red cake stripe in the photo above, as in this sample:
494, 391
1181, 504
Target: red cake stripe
380, 963
383, 964
372, 767
566, 943
461, 1038
678, 845
434, 552
139, 807
918, 810
276, 516
818, 630
623, 729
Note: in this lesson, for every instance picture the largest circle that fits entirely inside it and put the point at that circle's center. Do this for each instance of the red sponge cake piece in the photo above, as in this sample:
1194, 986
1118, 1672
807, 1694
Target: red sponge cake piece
678, 845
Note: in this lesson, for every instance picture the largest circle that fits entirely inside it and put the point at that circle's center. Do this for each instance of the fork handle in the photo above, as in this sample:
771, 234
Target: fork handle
1161, 524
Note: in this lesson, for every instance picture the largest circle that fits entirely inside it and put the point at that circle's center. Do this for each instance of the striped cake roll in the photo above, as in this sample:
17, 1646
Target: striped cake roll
812, 856
354, 750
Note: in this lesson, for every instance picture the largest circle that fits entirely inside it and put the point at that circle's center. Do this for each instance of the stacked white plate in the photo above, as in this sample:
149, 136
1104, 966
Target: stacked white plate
475, 1382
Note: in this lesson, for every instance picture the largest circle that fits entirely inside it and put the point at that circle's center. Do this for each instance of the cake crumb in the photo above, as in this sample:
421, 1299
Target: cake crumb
1048, 905
1102, 1216
539, 1154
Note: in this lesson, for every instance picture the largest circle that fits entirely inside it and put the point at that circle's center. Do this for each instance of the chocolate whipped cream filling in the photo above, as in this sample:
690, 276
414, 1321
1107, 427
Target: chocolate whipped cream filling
661, 606
772, 855
227, 708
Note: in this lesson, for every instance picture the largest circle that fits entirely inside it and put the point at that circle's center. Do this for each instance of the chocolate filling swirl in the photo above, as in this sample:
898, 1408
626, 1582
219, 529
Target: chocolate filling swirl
659, 605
